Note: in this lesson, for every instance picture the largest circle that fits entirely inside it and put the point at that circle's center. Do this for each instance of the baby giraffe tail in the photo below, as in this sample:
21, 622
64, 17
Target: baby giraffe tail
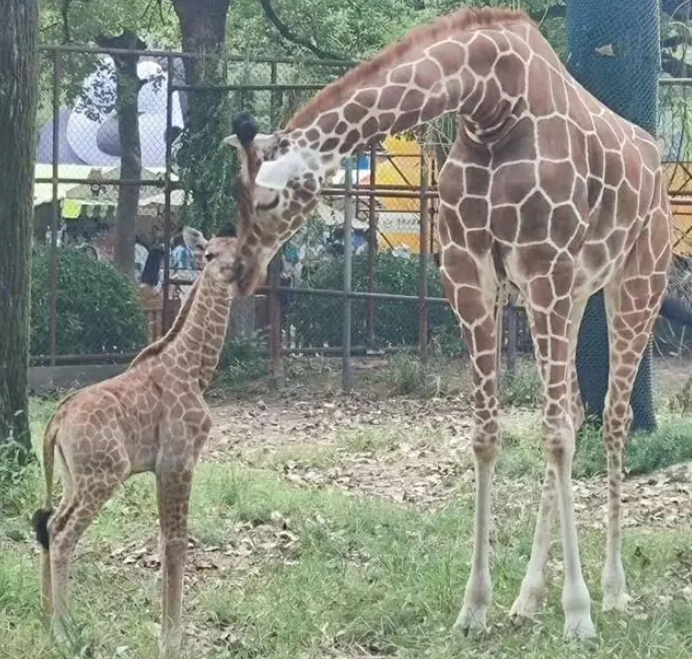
42, 515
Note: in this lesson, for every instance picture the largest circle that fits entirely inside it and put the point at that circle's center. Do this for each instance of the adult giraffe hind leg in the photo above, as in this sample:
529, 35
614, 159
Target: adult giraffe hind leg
533, 587
551, 329
472, 292
632, 304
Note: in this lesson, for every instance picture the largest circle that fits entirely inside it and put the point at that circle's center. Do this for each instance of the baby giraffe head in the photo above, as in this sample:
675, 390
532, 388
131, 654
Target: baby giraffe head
216, 256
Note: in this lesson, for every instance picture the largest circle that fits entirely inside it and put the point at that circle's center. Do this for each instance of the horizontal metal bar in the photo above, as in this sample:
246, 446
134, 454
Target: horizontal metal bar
64, 48
151, 183
356, 351
668, 82
325, 292
269, 87
355, 295
377, 192
126, 358
70, 360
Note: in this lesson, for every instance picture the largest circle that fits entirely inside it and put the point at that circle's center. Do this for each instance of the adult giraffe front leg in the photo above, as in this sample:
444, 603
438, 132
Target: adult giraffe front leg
472, 291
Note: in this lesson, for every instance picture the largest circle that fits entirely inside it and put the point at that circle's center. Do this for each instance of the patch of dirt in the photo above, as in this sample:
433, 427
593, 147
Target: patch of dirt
413, 452
417, 455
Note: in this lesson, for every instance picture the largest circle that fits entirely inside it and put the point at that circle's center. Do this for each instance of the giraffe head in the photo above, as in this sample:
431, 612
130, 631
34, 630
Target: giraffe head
215, 256
279, 180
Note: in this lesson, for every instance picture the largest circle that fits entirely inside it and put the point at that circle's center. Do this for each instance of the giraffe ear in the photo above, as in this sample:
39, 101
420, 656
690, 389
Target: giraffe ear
195, 239
259, 140
275, 174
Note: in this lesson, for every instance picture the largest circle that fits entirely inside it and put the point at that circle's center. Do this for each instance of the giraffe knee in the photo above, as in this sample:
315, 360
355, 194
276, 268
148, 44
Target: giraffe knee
559, 440
486, 444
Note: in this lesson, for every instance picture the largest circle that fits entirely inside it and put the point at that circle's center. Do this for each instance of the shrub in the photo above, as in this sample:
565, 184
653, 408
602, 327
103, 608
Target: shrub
318, 320
97, 306
670, 444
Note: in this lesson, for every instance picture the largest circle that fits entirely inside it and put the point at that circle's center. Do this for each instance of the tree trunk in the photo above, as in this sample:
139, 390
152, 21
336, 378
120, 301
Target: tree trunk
614, 48
203, 166
18, 98
203, 31
128, 85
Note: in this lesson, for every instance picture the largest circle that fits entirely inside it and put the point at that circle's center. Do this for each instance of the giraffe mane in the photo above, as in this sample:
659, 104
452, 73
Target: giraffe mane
156, 348
464, 19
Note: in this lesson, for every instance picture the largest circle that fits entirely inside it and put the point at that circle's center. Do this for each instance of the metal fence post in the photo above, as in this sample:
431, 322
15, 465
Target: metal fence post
372, 248
273, 299
274, 309
347, 366
165, 321
424, 257
55, 217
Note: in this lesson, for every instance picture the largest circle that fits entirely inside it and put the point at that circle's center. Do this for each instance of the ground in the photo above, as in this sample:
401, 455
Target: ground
339, 526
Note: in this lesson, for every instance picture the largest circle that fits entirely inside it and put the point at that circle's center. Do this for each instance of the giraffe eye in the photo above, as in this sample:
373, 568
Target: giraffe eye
267, 207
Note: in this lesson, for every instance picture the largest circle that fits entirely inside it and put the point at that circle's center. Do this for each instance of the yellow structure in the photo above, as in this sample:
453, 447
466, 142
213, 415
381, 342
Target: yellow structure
399, 217
679, 177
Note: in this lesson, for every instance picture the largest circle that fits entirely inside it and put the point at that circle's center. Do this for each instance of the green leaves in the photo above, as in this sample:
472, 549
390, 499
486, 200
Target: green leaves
97, 306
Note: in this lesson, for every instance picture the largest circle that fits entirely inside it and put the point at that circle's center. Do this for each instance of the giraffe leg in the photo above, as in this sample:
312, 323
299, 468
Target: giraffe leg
474, 304
552, 343
174, 497
46, 573
65, 529
631, 306
532, 591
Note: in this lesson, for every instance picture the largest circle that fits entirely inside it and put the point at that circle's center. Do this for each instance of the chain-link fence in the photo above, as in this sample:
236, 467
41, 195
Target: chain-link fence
110, 161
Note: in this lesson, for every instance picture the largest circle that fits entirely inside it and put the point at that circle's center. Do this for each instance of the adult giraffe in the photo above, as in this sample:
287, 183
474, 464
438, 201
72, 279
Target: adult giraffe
545, 189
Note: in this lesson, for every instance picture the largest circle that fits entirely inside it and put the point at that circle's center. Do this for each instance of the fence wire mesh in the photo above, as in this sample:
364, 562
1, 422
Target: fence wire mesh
108, 164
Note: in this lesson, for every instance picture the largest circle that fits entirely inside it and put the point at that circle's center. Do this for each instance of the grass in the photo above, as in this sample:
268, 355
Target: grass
308, 574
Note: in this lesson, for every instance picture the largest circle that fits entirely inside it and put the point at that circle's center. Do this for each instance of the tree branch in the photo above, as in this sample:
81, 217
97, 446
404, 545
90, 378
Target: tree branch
128, 40
64, 12
675, 67
556, 11
677, 8
287, 34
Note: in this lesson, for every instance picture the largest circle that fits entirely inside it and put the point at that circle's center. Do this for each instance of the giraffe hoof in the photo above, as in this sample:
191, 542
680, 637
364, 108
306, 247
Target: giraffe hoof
472, 621
580, 628
615, 601
525, 607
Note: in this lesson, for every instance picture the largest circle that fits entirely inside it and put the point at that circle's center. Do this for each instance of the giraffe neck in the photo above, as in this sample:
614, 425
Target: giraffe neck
477, 73
199, 342
157, 347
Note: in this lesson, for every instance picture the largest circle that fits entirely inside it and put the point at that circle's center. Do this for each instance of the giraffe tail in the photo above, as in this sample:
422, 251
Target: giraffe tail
42, 515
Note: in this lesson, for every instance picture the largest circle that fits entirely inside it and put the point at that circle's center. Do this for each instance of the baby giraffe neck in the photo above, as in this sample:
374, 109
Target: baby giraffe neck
198, 346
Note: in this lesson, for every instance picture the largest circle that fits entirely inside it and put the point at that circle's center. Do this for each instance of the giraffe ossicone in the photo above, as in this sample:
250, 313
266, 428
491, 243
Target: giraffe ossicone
152, 417
545, 189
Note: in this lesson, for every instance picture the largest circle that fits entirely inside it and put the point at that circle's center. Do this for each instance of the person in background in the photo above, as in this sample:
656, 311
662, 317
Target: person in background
182, 257
149, 293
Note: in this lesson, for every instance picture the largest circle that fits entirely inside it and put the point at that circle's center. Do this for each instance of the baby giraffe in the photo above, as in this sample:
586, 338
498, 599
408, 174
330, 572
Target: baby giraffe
152, 417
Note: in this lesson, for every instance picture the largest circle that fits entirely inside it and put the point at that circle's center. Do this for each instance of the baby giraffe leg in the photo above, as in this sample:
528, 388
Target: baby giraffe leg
65, 529
174, 499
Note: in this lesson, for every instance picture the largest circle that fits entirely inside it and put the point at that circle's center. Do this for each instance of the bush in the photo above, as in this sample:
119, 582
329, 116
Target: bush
97, 306
318, 320
644, 452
